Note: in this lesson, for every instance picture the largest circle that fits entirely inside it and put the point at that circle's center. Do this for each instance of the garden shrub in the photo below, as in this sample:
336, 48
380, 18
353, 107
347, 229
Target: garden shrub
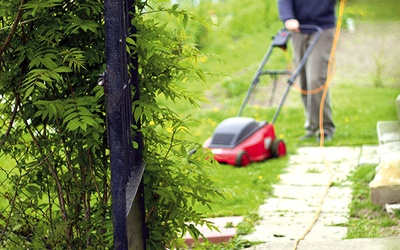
53, 144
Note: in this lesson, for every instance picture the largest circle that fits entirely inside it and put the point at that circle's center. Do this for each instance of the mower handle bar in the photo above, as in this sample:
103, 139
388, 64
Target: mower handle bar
282, 44
300, 66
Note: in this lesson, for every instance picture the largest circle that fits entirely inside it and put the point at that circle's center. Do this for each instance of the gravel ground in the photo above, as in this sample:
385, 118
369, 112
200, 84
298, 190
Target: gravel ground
370, 54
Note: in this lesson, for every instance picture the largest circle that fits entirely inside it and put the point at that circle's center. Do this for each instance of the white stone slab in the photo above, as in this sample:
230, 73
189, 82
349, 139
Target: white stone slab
369, 155
286, 205
312, 179
323, 233
298, 192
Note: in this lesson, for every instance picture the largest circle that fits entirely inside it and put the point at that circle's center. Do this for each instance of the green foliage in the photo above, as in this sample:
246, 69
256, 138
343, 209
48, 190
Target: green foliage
232, 20
366, 10
56, 177
52, 126
174, 182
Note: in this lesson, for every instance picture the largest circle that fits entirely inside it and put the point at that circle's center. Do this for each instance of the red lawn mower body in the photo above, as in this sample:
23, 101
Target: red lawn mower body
238, 141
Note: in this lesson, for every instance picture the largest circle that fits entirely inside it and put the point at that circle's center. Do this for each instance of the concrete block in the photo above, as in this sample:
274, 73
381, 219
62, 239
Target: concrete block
388, 131
385, 187
385, 194
369, 155
398, 108
389, 152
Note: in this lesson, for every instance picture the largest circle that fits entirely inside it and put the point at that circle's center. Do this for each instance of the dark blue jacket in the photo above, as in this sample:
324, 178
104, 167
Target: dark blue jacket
316, 12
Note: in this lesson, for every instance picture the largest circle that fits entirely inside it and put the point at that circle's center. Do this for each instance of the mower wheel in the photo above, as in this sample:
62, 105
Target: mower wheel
242, 159
278, 148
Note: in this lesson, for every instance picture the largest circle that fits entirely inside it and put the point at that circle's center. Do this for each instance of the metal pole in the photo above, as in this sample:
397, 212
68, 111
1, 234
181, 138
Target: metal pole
136, 229
115, 80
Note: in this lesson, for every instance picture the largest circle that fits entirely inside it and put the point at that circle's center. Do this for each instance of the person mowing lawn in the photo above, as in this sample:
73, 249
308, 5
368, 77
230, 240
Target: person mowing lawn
294, 13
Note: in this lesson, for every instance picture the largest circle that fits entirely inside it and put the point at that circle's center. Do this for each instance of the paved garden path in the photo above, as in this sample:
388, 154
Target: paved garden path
304, 193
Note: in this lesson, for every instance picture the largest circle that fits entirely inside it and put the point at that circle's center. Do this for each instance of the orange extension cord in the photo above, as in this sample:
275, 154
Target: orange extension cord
325, 87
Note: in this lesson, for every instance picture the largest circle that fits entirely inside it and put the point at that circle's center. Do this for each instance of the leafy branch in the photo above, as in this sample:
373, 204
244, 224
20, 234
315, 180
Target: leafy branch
13, 28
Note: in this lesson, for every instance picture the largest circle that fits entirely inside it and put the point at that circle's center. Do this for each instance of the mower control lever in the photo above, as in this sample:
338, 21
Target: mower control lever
281, 38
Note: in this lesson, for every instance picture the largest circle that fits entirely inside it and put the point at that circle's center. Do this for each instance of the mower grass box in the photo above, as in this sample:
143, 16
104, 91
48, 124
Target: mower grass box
239, 141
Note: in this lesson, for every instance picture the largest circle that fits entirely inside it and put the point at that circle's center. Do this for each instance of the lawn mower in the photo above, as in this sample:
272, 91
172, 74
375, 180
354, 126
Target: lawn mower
240, 140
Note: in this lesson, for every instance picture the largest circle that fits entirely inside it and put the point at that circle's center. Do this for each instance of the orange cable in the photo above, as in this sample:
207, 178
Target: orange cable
331, 69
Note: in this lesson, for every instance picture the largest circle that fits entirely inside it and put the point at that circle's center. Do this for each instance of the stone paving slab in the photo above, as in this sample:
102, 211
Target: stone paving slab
369, 155
291, 196
340, 192
287, 206
322, 233
333, 219
286, 219
273, 233
313, 179
336, 205
329, 154
282, 234
343, 166
298, 168
297, 192
290, 219
390, 243
341, 171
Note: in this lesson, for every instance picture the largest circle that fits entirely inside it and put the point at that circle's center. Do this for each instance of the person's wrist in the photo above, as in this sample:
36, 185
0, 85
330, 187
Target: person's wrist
292, 25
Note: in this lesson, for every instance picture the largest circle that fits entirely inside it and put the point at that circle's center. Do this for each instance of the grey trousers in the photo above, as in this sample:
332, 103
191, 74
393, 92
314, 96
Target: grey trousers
314, 75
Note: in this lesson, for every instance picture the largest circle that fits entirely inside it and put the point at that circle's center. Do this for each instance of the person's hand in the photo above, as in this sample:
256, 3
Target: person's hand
292, 25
